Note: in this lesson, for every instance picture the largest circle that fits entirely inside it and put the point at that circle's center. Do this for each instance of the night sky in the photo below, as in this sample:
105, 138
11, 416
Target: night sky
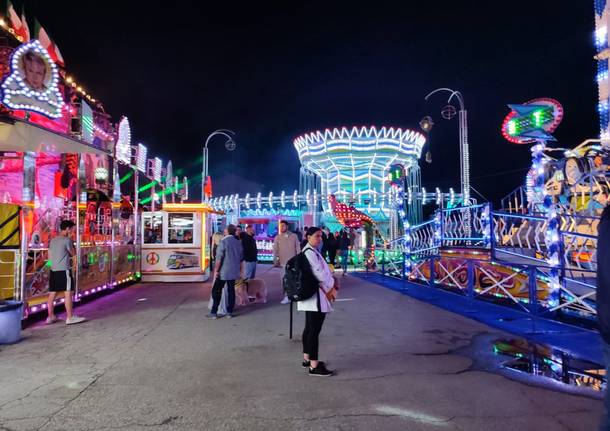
180, 70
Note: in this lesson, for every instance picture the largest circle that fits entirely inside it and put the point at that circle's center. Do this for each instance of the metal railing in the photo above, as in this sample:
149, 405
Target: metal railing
515, 265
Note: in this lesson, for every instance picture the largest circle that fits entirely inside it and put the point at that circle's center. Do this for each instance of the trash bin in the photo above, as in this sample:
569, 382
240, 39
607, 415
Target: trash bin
10, 321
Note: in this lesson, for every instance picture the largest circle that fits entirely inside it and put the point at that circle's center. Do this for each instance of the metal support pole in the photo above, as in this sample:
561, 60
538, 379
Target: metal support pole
78, 226
432, 275
533, 290
204, 172
470, 284
291, 313
136, 224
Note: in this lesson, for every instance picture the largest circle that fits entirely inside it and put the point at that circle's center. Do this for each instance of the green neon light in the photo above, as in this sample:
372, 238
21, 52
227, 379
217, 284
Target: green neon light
126, 177
512, 127
147, 187
537, 118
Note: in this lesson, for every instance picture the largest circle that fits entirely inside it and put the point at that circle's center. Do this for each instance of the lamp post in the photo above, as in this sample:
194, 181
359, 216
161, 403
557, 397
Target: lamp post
463, 129
229, 145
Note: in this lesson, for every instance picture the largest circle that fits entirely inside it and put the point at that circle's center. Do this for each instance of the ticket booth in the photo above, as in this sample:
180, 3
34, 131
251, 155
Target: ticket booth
175, 246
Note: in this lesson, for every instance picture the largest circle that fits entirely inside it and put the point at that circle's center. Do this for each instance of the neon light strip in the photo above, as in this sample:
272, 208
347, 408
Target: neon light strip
41, 307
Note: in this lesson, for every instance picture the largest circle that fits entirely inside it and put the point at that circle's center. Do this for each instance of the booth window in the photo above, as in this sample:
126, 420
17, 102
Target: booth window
153, 229
180, 228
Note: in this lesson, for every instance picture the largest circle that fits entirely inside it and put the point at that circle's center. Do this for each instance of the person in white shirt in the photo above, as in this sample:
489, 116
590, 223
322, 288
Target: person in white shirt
318, 305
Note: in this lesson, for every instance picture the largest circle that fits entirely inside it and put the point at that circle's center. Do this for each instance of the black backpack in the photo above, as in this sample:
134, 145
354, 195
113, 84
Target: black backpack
299, 282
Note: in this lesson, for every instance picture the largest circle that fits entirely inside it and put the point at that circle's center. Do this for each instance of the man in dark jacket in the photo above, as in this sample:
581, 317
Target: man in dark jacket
227, 268
250, 252
343, 245
603, 298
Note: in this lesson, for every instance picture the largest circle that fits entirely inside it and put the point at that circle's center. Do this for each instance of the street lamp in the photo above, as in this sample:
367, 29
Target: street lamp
229, 145
448, 112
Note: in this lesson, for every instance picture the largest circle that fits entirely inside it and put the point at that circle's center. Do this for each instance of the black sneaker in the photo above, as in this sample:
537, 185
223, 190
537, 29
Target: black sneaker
212, 316
320, 371
306, 364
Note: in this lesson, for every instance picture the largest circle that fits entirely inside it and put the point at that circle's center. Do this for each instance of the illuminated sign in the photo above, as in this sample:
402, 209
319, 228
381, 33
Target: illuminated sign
123, 143
156, 169
532, 121
169, 175
86, 122
396, 175
141, 158
32, 84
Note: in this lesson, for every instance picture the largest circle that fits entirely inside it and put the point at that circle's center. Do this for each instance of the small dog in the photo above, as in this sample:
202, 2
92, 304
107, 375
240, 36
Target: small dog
254, 288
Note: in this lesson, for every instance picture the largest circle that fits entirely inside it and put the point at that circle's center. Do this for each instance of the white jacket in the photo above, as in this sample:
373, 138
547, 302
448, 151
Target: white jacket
322, 272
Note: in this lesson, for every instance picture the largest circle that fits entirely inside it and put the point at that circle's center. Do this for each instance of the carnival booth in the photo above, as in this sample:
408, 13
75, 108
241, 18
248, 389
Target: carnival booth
265, 223
63, 158
175, 245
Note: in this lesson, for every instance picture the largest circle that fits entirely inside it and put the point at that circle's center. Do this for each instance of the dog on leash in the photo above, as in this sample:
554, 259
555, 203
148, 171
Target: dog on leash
254, 288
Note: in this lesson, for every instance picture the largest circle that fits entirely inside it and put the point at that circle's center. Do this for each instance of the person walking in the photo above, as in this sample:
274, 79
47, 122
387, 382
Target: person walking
250, 252
324, 246
603, 301
61, 279
317, 306
216, 238
285, 247
343, 245
227, 268
332, 245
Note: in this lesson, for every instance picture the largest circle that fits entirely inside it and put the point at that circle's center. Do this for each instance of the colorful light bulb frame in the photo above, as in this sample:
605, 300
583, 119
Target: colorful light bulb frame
546, 115
14, 85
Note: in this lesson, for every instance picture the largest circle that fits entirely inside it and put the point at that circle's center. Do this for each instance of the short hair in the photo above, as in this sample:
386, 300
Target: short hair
284, 222
231, 229
66, 224
249, 226
35, 58
312, 230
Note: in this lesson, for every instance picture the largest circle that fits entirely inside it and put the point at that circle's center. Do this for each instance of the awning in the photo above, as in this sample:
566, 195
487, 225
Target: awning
22, 136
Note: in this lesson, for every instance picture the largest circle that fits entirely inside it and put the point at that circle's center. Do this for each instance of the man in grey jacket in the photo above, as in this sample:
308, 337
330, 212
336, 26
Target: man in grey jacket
227, 269
285, 246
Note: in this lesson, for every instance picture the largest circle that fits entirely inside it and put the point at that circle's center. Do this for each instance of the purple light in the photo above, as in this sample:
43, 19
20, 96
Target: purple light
34, 309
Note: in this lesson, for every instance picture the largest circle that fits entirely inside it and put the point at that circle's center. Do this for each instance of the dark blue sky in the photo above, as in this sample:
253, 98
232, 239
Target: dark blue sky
180, 70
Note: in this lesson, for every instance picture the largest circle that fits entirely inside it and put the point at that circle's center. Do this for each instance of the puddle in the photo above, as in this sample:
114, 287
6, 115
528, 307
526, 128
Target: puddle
535, 364
543, 361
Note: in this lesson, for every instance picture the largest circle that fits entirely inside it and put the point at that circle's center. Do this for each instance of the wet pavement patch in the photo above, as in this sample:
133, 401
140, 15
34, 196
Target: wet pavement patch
540, 360
536, 364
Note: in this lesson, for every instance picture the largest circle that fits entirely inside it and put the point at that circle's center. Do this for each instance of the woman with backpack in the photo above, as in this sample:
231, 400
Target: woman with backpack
318, 305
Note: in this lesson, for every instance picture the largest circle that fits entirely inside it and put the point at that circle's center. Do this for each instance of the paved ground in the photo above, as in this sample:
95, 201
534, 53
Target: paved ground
149, 359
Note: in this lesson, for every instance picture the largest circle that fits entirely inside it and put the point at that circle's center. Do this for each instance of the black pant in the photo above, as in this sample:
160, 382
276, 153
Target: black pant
311, 333
332, 255
217, 294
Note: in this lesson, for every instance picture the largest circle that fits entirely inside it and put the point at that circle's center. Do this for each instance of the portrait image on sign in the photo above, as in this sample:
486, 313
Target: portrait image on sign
32, 83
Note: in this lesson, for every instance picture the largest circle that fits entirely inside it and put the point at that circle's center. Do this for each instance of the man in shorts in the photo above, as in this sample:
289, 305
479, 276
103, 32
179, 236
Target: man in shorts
61, 250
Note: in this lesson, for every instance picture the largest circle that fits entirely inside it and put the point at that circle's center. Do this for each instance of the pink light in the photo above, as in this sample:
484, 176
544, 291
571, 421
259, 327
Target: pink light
34, 309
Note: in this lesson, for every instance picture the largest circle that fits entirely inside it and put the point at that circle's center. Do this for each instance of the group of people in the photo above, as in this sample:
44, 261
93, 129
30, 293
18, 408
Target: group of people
337, 244
235, 255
